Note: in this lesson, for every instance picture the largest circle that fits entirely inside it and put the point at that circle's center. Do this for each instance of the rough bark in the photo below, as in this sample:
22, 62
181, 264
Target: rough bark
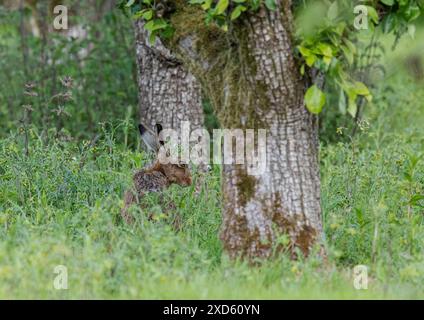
251, 76
168, 92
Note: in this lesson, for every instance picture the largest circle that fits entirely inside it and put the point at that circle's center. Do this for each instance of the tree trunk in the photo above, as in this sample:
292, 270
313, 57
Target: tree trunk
168, 92
251, 76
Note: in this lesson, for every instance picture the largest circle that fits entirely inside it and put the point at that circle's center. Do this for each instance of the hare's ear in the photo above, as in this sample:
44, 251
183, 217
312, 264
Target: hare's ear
159, 129
149, 138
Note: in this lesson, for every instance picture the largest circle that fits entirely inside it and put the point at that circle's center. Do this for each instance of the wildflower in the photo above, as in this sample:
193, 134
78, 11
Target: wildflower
67, 82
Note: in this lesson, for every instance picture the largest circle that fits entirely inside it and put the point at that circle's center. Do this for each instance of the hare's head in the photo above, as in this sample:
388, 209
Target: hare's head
175, 173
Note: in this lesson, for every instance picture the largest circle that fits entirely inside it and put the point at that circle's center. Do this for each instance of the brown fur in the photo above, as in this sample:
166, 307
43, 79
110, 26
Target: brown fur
153, 179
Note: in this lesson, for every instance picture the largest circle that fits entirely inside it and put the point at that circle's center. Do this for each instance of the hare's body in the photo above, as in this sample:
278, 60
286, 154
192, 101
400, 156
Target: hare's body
143, 182
149, 181
155, 178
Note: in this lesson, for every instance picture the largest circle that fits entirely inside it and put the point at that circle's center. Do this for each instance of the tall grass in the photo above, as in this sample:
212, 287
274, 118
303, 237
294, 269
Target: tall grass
60, 206
60, 196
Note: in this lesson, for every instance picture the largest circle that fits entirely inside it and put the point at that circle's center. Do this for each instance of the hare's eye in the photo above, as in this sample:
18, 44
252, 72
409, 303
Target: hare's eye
182, 165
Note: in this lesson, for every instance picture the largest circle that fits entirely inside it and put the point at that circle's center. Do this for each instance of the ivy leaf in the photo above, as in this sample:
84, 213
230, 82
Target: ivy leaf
147, 15
153, 26
314, 99
325, 50
361, 89
149, 25
206, 5
221, 6
411, 12
168, 32
304, 51
310, 60
271, 5
352, 107
237, 12
152, 38
256, 4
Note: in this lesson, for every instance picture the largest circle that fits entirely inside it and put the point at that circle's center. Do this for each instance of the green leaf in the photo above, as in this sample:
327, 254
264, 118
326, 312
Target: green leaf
327, 60
314, 99
352, 107
333, 11
207, 5
152, 38
221, 6
388, 2
302, 69
390, 23
348, 54
350, 45
304, 51
361, 89
372, 13
340, 28
310, 60
237, 11
256, 4
168, 32
147, 15
271, 5
411, 12
149, 25
325, 49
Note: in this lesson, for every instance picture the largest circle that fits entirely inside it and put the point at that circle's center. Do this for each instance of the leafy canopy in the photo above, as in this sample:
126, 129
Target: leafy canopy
326, 36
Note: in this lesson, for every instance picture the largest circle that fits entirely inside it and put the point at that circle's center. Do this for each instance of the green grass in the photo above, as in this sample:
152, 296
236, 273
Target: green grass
60, 206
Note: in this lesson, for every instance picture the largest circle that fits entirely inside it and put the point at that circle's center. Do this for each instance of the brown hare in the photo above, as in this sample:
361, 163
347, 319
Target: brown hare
155, 177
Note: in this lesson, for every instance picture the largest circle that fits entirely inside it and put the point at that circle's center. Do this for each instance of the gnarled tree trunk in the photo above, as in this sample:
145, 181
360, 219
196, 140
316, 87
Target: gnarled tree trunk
252, 79
168, 92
